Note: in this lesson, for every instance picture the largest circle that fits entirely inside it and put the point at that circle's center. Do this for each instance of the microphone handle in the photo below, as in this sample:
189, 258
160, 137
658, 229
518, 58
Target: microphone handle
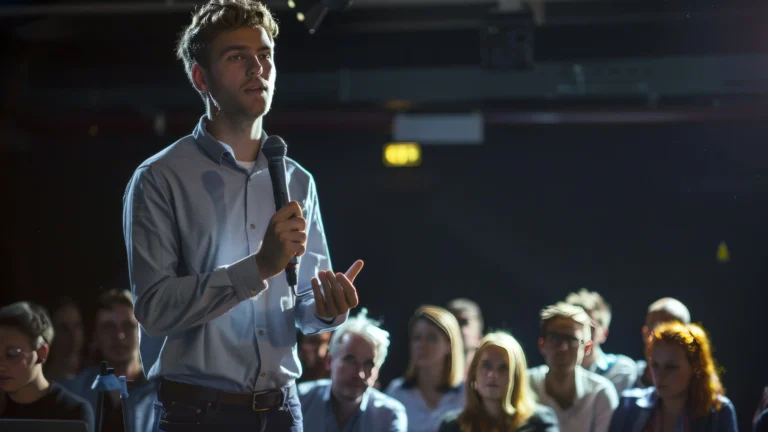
280, 191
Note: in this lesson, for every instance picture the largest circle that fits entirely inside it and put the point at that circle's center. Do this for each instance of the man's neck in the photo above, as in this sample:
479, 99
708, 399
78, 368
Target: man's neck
561, 387
244, 136
130, 370
31, 391
344, 409
595, 354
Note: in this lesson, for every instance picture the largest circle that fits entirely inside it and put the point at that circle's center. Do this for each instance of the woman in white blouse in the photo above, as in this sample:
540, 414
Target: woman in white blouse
433, 384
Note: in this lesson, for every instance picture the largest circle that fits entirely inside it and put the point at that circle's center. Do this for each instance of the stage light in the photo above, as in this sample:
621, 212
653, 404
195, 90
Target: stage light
312, 12
405, 154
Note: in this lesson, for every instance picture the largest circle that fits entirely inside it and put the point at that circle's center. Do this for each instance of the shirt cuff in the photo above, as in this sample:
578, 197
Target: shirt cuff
326, 321
246, 278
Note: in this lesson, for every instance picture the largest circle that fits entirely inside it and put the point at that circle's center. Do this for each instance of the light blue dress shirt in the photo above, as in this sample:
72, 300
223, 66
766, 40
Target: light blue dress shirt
422, 418
378, 412
193, 220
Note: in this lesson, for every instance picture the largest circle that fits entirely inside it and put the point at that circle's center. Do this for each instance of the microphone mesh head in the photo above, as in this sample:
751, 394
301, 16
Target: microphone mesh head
274, 147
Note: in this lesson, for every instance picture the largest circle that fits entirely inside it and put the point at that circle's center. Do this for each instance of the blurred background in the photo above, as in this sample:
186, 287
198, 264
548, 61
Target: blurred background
613, 145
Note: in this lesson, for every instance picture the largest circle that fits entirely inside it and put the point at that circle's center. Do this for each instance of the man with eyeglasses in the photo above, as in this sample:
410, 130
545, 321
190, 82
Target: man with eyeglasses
347, 402
582, 400
26, 334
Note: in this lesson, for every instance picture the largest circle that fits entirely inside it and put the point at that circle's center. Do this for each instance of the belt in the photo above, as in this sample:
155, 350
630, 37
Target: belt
173, 391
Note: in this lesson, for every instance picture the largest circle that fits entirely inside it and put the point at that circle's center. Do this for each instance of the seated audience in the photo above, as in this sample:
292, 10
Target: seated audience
619, 369
661, 311
312, 352
116, 341
26, 333
470, 320
347, 401
433, 384
687, 394
66, 356
582, 400
498, 396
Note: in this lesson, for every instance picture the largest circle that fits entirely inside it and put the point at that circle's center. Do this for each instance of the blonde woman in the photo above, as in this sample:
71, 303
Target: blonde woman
498, 397
433, 384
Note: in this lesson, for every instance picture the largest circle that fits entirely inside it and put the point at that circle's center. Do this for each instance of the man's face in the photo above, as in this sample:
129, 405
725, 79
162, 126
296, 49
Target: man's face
68, 327
353, 368
313, 349
19, 363
563, 345
241, 76
117, 335
470, 330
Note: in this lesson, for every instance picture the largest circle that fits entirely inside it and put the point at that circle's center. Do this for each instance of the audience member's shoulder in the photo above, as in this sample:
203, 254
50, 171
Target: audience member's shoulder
450, 422
543, 416
395, 386
68, 401
596, 382
381, 400
726, 404
625, 363
310, 387
538, 373
637, 393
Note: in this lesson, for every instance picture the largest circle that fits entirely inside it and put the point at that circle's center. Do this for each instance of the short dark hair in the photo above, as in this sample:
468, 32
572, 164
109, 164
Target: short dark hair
214, 18
112, 297
464, 305
31, 319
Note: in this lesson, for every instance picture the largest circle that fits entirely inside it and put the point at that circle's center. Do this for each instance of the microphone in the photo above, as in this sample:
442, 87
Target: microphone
275, 149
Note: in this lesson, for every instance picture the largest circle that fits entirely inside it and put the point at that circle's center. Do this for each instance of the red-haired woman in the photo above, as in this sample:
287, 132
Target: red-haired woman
687, 393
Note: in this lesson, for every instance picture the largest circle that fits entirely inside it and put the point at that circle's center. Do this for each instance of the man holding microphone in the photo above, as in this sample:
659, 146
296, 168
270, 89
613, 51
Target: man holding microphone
207, 251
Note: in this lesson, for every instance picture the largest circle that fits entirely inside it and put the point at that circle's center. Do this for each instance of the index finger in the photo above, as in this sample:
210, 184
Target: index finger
289, 210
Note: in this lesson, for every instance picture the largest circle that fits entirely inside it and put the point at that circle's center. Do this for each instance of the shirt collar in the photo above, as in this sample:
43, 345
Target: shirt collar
216, 149
579, 381
600, 364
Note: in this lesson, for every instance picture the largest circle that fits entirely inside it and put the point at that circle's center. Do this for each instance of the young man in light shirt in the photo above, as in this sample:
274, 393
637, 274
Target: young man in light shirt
582, 400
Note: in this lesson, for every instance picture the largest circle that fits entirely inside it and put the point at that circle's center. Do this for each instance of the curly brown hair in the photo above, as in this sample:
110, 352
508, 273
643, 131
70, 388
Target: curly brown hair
214, 18
705, 386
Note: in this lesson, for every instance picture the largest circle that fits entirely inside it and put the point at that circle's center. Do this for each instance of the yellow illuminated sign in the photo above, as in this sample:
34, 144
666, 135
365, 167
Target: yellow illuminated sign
402, 154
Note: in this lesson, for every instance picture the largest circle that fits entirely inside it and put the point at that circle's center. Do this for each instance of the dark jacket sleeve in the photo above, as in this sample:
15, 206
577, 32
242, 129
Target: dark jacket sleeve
544, 420
86, 415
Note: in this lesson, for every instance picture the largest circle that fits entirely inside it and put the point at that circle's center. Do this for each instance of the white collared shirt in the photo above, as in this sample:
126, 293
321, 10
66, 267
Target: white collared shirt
596, 399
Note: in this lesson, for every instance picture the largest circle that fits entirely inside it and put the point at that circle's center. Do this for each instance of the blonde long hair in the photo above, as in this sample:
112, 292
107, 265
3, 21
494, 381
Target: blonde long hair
453, 372
518, 404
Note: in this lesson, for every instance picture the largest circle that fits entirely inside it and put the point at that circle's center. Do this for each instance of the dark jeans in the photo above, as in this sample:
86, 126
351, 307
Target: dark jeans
202, 417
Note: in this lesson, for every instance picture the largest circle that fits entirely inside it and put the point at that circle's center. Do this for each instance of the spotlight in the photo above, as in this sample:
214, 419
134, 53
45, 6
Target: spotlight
312, 12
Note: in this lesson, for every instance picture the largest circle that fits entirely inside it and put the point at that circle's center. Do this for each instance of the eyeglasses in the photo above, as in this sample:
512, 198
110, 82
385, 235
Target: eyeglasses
555, 339
15, 356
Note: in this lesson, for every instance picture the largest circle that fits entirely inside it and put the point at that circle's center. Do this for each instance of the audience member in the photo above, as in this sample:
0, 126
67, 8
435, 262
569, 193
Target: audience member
760, 420
582, 400
66, 357
347, 401
115, 340
661, 311
26, 333
619, 369
313, 350
687, 394
498, 397
470, 320
433, 384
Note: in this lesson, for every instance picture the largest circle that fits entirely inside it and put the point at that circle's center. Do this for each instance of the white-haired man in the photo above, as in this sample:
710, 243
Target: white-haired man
347, 401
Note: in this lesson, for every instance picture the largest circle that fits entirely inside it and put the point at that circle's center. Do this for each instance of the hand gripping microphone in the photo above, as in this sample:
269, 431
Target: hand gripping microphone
275, 149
